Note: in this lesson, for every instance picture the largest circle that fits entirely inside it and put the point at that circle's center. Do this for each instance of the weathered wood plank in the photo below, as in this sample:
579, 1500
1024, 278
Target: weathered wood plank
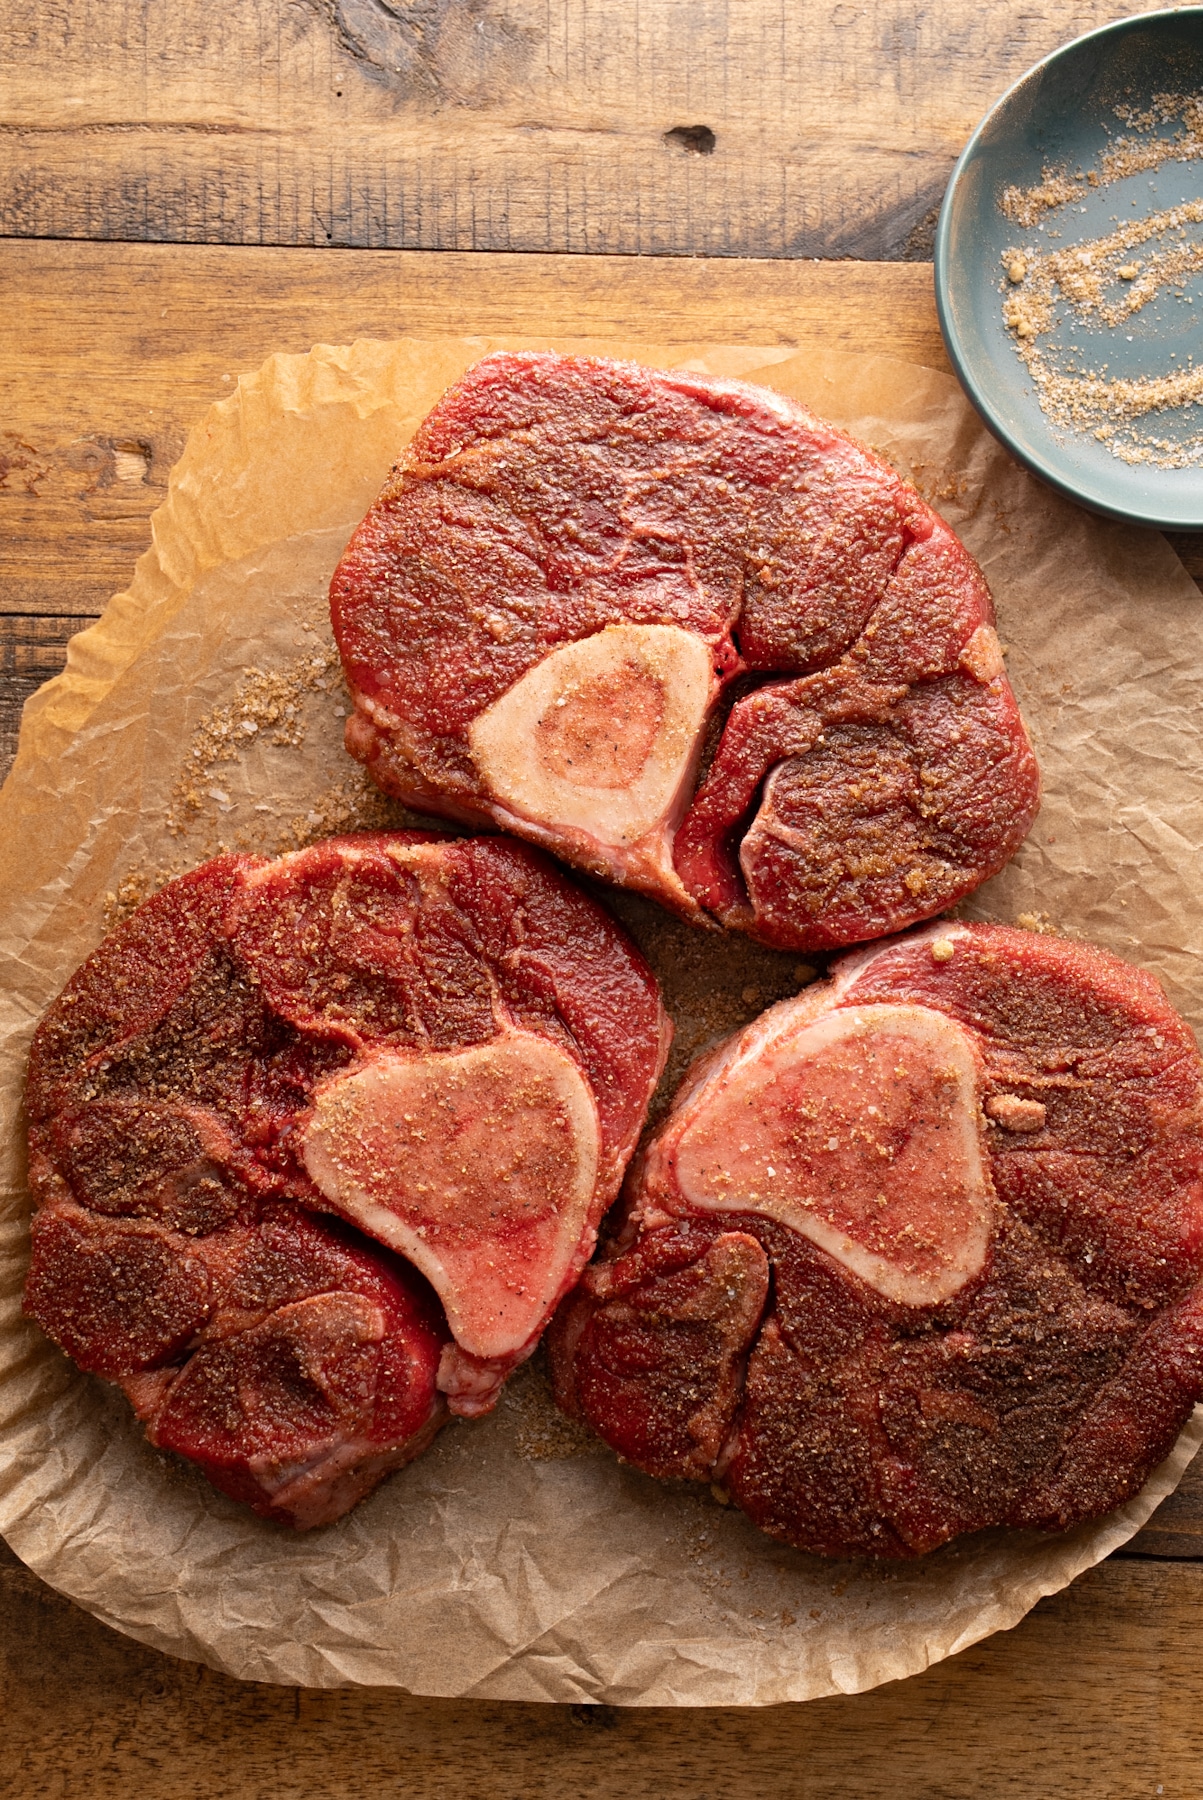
505, 124
1093, 1697
1176, 1528
32, 649
109, 354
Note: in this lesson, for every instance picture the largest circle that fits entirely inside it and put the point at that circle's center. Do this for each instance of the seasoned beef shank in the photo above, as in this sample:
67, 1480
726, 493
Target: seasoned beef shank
440, 1045
918, 1252
572, 565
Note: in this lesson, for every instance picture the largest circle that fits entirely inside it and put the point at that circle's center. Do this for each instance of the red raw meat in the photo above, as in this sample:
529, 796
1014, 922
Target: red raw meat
576, 559
441, 1041
918, 1252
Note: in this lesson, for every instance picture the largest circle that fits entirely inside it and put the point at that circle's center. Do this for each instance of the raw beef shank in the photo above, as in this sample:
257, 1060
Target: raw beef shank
917, 1252
318, 1144
586, 579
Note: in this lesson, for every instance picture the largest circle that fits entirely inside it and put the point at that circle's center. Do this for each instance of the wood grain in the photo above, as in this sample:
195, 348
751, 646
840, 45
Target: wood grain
1094, 1696
505, 124
32, 649
110, 353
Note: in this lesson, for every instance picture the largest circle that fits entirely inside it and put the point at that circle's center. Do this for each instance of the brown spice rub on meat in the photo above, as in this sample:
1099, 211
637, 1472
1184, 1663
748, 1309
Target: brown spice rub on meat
577, 560
914, 1254
317, 1145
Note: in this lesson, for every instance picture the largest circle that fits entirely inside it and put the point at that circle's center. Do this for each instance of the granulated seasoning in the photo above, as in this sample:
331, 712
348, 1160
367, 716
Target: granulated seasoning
267, 700
1107, 281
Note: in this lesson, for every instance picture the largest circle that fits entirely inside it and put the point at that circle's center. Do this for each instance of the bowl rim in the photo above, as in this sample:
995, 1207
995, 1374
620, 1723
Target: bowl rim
943, 265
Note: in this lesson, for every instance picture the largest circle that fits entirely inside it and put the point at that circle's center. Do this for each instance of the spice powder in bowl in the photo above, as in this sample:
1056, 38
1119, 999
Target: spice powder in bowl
1070, 269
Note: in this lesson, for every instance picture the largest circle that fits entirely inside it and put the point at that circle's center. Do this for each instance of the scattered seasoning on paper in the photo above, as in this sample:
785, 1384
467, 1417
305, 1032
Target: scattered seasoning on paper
1107, 281
268, 701
1037, 921
267, 705
541, 1432
353, 804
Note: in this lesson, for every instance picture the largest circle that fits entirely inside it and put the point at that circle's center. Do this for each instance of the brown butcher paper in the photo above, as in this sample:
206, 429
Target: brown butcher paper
518, 1559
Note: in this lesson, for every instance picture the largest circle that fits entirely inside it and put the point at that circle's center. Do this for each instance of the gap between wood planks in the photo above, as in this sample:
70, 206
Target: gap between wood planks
643, 126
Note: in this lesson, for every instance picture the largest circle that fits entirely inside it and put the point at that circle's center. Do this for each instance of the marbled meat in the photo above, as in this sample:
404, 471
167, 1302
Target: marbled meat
318, 1144
586, 582
916, 1253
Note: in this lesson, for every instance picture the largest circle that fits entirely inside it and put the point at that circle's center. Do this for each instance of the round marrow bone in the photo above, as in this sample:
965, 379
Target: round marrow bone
602, 739
860, 1131
477, 1165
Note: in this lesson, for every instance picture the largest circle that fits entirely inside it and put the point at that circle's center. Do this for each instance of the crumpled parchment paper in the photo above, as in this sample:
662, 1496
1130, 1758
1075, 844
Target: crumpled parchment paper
518, 1559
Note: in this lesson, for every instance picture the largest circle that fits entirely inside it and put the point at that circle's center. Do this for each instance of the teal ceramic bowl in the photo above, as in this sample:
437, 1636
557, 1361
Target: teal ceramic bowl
1097, 437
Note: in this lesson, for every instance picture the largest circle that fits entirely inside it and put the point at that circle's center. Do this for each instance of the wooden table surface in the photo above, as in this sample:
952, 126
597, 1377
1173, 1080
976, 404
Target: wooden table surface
185, 188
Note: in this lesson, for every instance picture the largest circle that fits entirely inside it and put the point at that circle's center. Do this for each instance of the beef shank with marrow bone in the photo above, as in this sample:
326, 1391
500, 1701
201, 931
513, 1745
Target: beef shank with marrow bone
586, 579
317, 1145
